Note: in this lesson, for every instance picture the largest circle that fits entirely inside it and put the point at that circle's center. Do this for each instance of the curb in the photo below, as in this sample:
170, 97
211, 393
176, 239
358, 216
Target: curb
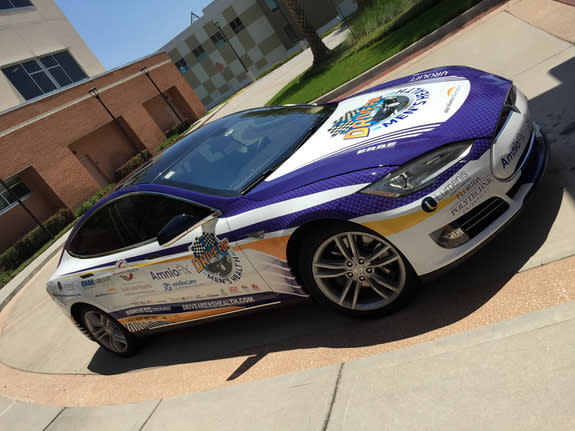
19, 281
413, 49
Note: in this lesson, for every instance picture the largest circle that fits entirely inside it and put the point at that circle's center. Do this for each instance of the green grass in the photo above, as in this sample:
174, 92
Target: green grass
370, 21
347, 63
6, 276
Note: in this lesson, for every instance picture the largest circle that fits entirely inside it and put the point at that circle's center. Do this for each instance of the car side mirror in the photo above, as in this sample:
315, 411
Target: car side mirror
181, 225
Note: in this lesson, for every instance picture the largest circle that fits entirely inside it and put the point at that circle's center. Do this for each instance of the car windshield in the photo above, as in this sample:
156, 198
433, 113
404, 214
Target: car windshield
231, 155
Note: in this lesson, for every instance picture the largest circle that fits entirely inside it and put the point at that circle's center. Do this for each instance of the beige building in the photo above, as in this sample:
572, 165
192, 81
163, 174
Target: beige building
234, 40
41, 51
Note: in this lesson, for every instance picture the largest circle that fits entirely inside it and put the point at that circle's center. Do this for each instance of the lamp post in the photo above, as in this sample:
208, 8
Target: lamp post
96, 94
38, 222
250, 75
146, 72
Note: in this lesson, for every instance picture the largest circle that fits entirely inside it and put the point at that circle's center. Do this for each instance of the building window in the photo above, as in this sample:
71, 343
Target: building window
272, 5
237, 25
218, 39
182, 66
7, 198
14, 4
291, 35
43, 75
199, 52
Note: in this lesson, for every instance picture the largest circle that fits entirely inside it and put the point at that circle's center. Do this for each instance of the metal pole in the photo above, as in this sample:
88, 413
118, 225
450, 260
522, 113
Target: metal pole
44, 228
238, 57
94, 93
145, 71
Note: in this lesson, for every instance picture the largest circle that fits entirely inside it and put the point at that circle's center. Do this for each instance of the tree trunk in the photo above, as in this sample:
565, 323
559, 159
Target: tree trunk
319, 50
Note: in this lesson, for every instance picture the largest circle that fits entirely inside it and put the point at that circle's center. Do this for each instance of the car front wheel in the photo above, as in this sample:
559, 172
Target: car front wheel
107, 332
356, 271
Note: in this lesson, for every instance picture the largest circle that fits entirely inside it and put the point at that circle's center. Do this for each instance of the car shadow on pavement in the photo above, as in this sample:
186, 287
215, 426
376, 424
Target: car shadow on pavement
305, 325
555, 113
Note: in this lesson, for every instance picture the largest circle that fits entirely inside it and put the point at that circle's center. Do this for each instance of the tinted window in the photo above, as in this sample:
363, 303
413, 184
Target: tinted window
96, 236
141, 217
7, 197
128, 221
41, 76
237, 25
218, 39
69, 65
22, 81
13, 4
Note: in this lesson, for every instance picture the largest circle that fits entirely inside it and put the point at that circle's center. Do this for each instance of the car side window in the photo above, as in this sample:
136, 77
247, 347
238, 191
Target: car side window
97, 235
140, 217
130, 220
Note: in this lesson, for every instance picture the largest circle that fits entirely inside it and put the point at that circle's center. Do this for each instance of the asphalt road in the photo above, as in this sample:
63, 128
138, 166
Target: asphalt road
53, 363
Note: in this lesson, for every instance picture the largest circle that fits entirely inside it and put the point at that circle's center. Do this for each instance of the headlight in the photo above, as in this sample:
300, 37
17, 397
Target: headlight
419, 173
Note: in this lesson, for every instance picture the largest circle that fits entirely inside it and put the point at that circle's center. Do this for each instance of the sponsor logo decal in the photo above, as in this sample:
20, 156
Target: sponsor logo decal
145, 310
216, 259
110, 291
429, 204
177, 271
473, 193
218, 303
180, 284
514, 151
106, 279
137, 289
455, 183
123, 268
452, 94
420, 76
383, 111
377, 147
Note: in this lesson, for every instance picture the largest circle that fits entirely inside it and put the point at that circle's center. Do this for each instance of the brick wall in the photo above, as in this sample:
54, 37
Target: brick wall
44, 133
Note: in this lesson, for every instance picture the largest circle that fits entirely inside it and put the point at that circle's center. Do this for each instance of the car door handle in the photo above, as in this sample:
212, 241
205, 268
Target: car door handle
153, 256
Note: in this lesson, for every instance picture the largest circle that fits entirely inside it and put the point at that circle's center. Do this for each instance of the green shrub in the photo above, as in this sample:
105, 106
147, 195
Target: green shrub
24, 248
169, 142
178, 129
90, 202
132, 164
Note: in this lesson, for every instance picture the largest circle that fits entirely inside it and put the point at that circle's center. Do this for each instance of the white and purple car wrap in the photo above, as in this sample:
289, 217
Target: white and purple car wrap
244, 258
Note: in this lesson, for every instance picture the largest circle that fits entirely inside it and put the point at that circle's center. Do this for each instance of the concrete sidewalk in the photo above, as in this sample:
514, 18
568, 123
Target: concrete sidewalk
516, 374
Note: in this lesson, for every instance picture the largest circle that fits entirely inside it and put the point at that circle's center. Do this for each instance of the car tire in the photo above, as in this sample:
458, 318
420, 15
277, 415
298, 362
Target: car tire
355, 271
108, 332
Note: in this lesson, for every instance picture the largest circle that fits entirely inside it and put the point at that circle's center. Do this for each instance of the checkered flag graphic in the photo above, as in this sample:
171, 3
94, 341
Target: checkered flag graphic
344, 123
203, 243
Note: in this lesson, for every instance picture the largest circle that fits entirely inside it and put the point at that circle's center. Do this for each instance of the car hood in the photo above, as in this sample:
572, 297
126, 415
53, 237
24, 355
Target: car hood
393, 123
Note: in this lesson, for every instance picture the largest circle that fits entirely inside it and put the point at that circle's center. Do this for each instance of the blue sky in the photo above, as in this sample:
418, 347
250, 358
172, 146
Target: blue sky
120, 31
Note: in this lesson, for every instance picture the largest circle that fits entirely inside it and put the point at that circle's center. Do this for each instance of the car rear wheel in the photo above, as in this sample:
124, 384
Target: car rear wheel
107, 332
356, 271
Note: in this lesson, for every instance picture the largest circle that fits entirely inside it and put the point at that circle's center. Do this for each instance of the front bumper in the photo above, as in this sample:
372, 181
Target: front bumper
479, 208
